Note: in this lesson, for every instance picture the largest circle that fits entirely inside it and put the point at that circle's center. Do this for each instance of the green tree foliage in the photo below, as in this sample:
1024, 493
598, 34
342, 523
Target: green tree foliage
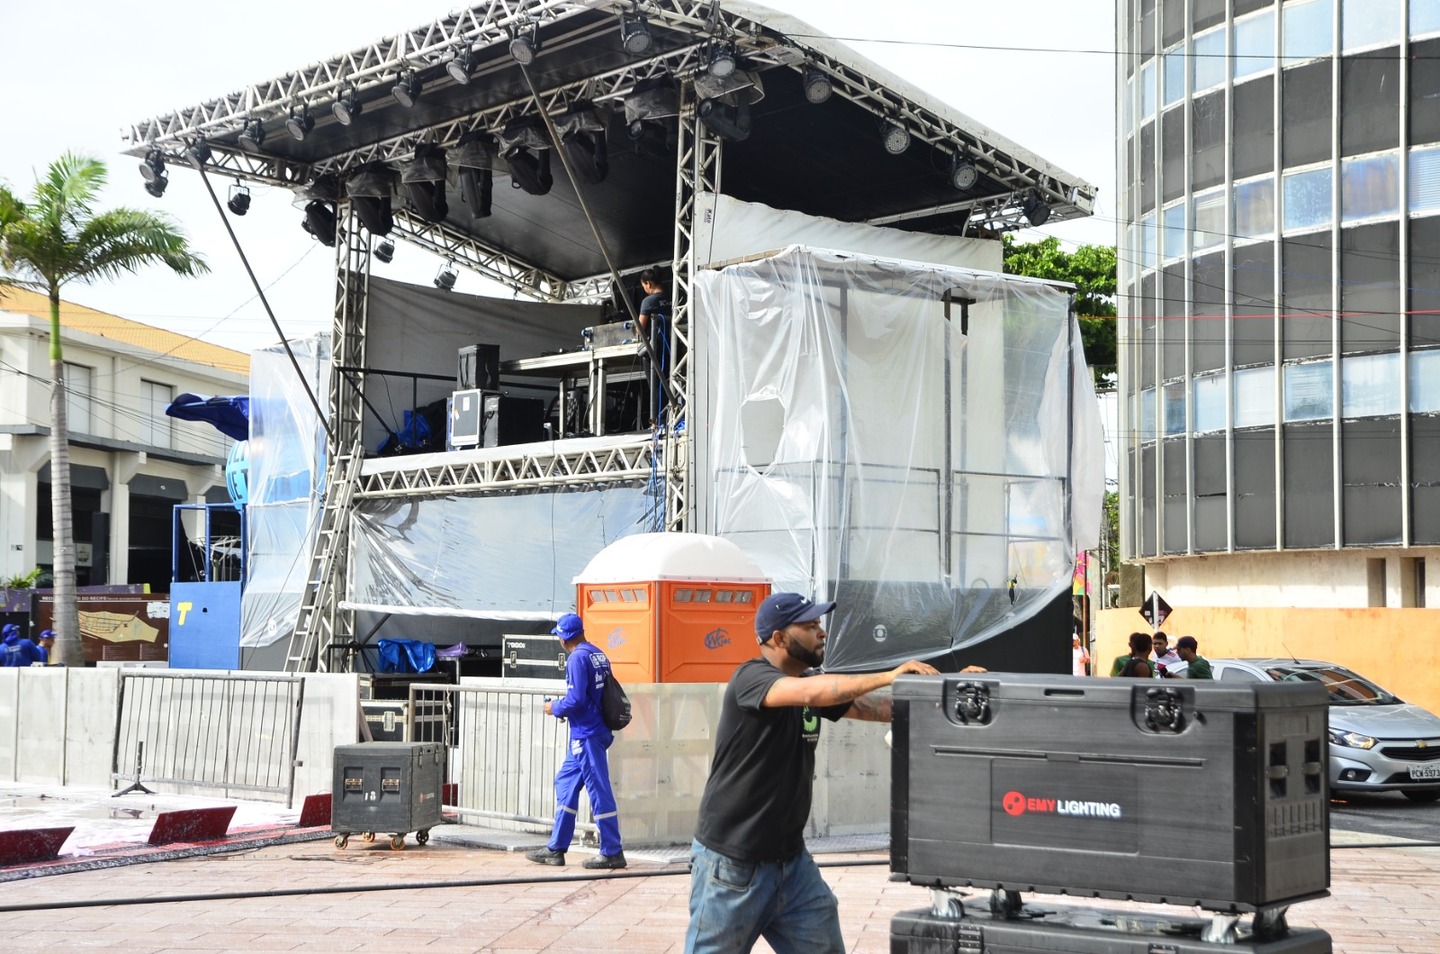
1091, 269
53, 238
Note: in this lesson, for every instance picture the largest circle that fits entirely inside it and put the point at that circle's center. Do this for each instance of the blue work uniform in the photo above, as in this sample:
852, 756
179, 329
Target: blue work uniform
586, 766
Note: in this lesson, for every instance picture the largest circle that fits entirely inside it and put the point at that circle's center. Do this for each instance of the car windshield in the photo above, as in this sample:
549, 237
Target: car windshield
1345, 687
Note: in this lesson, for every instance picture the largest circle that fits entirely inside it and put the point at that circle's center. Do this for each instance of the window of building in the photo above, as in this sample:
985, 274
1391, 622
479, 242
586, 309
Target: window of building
1425, 177
1208, 59
154, 425
1147, 242
1369, 22
1147, 91
1375, 580
1412, 582
1369, 186
1425, 381
1255, 397
1209, 398
1424, 17
1174, 408
1209, 219
1309, 391
1129, 105
1370, 385
79, 398
1308, 198
1255, 208
1174, 78
1254, 44
1175, 231
1147, 414
1308, 30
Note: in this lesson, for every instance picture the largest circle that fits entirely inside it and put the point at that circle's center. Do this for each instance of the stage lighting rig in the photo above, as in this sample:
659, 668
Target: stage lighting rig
253, 136
154, 165
635, 34
477, 157
895, 137
818, 87
423, 179
407, 89
239, 201
461, 65
582, 136
198, 152
731, 123
319, 221
371, 189
525, 44
347, 106
445, 278
300, 123
385, 251
1034, 208
526, 150
963, 174
722, 60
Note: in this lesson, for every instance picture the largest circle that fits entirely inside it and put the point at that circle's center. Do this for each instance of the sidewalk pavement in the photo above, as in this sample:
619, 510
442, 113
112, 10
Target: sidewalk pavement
470, 889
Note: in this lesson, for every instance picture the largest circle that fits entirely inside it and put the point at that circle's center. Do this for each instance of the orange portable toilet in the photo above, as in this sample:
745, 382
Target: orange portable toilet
672, 607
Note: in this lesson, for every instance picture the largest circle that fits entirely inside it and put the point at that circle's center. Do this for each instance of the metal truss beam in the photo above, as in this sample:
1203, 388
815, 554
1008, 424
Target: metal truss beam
558, 467
468, 252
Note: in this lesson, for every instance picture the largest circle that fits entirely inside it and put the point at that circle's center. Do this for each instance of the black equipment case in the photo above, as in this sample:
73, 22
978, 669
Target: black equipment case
1075, 930
532, 657
387, 786
1205, 793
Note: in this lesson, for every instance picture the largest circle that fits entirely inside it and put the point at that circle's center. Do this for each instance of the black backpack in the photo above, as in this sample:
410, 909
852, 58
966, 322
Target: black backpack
614, 704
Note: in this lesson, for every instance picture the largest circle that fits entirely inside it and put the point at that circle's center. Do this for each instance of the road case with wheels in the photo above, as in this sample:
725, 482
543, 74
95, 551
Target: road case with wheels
386, 787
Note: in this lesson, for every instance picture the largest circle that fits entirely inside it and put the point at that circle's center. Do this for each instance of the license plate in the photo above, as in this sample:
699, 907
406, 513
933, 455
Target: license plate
1425, 771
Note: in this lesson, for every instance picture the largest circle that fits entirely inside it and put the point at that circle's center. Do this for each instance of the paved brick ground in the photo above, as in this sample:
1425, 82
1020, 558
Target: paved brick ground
1383, 899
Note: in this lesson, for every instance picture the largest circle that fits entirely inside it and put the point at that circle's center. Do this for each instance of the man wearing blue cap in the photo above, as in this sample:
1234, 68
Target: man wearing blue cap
586, 766
17, 650
750, 875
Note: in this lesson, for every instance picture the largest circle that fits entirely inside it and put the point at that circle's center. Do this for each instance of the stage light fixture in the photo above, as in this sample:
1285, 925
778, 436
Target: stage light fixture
731, 123
199, 153
253, 136
963, 174
635, 34
460, 65
154, 165
476, 157
423, 179
445, 278
300, 123
371, 189
156, 186
582, 136
1034, 208
319, 221
895, 137
385, 251
722, 61
407, 89
525, 44
239, 201
347, 106
818, 87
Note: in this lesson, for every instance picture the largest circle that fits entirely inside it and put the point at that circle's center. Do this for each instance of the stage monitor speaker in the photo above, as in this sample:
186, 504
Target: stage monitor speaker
479, 368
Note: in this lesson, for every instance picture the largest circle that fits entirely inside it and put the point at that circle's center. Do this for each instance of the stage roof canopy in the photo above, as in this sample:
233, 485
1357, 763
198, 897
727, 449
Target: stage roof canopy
824, 158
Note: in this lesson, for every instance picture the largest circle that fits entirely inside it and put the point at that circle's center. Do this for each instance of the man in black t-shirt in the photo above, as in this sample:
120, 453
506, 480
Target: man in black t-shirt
654, 320
750, 875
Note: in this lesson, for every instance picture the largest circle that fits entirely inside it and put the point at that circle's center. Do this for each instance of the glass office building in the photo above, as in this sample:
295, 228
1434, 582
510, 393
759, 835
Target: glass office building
1279, 168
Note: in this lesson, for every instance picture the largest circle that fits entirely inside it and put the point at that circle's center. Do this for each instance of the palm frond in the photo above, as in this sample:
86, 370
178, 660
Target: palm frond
127, 240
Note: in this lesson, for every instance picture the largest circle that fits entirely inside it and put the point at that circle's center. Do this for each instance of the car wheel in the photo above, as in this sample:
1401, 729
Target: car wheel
1421, 794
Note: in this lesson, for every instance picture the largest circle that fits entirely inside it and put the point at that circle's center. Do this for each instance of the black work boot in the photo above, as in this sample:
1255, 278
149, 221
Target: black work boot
616, 860
544, 856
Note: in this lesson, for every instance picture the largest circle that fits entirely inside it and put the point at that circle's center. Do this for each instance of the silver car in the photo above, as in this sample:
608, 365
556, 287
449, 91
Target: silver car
1378, 742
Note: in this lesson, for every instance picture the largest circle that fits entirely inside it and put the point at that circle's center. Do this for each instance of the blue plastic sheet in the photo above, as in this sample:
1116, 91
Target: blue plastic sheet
405, 655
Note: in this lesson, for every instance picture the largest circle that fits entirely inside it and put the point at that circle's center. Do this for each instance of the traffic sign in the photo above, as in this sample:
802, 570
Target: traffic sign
1155, 609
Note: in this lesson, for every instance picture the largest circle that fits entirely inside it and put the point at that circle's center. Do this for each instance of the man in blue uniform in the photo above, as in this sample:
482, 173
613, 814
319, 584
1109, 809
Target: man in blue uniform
17, 649
750, 875
586, 766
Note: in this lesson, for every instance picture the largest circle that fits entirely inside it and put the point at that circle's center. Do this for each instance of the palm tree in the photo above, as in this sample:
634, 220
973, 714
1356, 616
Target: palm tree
54, 238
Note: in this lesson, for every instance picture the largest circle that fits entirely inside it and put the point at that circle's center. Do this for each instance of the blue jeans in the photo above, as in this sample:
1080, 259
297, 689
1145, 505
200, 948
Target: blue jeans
735, 903
587, 767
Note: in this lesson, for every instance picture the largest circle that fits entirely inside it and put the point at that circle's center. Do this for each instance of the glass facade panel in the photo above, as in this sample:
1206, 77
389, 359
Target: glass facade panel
1174, 90
1370, 385
1369, 187
1175, 231
1309, 30
1309, 391
1425, 382
1208, 60
1255, 397
1368, 22
1147, 242
1308, 199
1255, 208
1424, 16
1254, 44
1209, 219
1147, 91
1425, 178
79, 388
1209, 400
1174, 408
1147, 414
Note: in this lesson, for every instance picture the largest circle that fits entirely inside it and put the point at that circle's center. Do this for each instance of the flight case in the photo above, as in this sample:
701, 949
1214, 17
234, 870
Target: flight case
386, 786
1205, 793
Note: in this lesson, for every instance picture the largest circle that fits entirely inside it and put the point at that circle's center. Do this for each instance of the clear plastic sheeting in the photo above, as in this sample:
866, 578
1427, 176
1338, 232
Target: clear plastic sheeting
511, 556
897, 437
286, 480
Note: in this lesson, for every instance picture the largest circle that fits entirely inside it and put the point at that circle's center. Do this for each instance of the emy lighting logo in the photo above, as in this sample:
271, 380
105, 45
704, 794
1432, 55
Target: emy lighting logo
1018, 803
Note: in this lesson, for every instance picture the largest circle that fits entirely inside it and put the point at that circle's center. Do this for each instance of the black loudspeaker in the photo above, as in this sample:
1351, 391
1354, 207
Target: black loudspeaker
99, 549
479, 368
511, 420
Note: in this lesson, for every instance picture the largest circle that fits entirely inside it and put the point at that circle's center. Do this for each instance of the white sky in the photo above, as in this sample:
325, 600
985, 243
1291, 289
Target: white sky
81, 70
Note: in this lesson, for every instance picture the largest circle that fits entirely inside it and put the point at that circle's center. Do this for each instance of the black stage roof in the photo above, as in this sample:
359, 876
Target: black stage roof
823, 159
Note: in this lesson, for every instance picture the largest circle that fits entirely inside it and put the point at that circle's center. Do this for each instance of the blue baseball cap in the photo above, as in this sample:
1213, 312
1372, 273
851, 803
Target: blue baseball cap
47, 634
9, 629
781, 609
568, 627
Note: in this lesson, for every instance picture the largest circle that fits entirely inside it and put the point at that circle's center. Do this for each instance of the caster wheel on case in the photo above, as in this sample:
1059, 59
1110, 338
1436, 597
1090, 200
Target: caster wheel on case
422, 837
397, 842
368, 837
341, 841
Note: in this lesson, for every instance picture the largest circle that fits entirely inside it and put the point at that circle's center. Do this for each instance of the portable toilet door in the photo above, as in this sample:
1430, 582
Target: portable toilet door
672, 607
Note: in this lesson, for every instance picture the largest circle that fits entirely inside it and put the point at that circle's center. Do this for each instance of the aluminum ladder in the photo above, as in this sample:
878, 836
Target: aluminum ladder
317, 606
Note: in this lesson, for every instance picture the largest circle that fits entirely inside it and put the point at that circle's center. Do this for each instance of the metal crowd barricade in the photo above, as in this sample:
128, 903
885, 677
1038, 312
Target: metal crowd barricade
503, 752
221, 731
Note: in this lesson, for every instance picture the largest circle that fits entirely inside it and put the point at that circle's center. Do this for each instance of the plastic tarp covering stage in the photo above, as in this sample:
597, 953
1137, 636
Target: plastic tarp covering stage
906, 439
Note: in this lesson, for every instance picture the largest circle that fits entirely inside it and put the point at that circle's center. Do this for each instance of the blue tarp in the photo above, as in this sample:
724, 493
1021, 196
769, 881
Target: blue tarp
405, 655
230, 415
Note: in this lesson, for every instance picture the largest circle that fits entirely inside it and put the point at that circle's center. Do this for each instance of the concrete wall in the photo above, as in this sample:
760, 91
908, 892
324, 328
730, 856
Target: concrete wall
1310, 579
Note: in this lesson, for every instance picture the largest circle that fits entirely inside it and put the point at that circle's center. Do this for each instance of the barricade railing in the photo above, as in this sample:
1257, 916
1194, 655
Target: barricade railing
214, 731
503, 752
